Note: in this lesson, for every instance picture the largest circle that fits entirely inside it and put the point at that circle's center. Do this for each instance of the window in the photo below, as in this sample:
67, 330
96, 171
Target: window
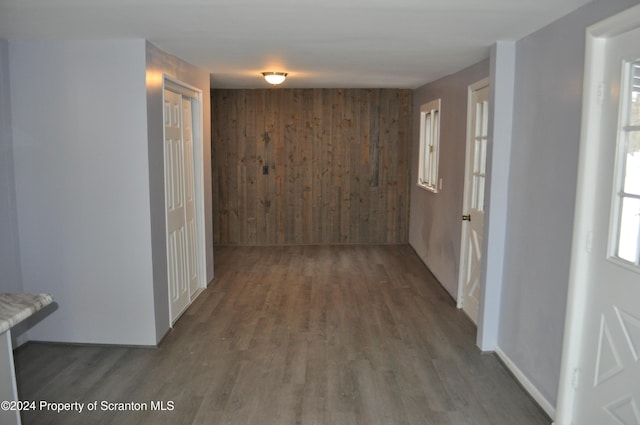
625, 232
479, 156
429, 141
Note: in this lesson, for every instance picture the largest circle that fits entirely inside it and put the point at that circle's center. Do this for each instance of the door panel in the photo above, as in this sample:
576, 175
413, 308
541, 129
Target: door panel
177, 251
190, 202
473, 213
608, 390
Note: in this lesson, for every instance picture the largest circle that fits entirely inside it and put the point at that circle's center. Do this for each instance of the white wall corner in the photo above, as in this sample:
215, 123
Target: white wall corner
502, 87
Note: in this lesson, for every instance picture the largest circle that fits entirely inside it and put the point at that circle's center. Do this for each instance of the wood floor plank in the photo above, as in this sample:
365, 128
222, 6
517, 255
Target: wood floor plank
307, 335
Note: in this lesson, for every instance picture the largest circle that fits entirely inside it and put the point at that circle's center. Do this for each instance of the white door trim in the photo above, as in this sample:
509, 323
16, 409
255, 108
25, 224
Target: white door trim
194, 93
589, 142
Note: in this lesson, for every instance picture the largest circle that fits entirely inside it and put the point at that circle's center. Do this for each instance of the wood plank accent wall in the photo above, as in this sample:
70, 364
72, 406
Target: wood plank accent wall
338, 164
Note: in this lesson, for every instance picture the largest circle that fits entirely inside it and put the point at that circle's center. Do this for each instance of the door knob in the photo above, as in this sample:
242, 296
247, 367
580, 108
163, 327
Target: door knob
466, 217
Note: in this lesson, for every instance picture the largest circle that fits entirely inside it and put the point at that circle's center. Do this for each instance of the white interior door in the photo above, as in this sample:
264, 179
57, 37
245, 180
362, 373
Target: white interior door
600, 382
190, 200
174, 175
473, 204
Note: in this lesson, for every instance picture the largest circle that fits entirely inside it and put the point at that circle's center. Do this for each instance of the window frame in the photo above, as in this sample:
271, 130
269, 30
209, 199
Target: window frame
428, 165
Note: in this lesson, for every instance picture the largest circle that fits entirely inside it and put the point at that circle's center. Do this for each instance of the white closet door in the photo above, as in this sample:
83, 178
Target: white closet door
190, 200
174, 166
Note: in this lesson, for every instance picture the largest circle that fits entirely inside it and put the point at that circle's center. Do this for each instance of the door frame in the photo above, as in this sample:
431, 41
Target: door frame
466, 202
195, 94
596, 36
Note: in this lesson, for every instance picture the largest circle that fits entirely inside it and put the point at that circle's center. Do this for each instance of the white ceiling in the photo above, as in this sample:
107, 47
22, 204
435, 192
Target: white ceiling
330, 43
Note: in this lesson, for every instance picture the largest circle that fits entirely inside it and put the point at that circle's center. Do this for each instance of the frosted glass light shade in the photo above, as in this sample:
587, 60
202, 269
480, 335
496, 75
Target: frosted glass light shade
274, 78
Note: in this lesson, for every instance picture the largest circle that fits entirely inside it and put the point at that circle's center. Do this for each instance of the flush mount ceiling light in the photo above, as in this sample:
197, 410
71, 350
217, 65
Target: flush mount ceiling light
274, 78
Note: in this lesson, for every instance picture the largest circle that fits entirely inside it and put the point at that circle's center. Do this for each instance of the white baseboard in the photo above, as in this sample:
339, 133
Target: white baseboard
527, 384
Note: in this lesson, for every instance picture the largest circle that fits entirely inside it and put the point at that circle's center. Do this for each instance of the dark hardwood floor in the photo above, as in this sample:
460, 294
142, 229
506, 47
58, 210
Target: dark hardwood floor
311, 335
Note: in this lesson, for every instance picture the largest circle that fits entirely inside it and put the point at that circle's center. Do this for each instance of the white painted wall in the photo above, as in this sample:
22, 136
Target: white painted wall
159, 63
82, 187
542, 186
435, 218
10, 273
